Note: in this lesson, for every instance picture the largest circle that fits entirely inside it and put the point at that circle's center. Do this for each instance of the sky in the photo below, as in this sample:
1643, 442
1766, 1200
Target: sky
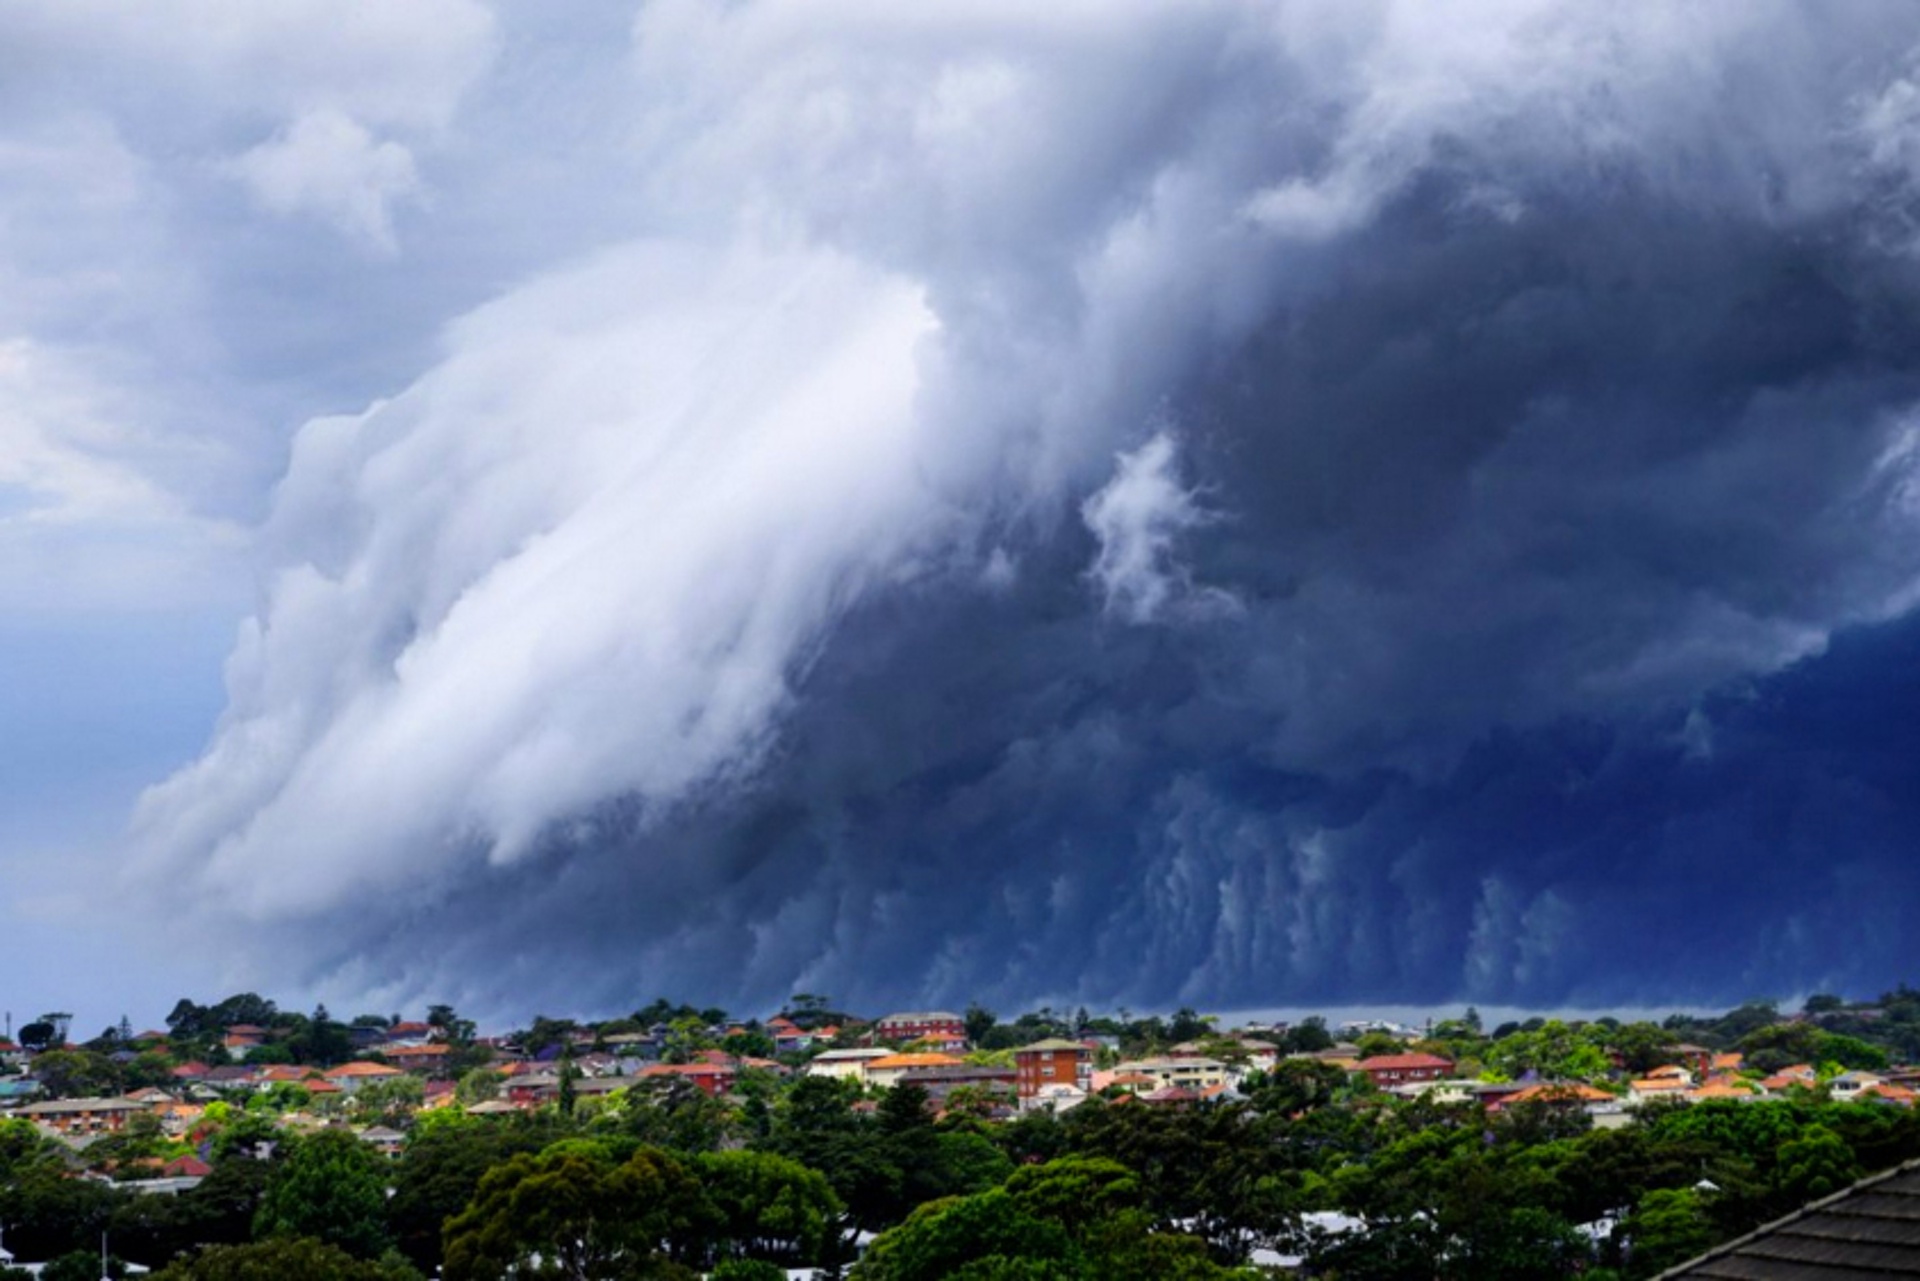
1237, 503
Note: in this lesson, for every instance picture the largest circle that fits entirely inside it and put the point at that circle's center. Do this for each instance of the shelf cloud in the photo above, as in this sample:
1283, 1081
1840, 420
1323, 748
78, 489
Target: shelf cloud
1212, 502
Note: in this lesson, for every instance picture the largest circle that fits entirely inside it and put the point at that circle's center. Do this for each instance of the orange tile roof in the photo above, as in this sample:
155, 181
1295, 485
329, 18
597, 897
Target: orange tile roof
1555, 1091
360, 1067
903, 1061
1722, 1090
287, 1072
1388, 1062
1653, 1085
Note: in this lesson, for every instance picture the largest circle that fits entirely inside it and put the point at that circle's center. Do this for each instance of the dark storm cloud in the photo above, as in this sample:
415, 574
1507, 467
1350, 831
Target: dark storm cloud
1214, 503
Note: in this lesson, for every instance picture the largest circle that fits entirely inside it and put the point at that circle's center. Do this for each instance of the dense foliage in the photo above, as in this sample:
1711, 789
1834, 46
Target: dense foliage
660, 1179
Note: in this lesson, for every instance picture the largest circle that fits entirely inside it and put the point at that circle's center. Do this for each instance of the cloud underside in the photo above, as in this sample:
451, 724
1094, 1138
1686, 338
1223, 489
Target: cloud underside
1365, 512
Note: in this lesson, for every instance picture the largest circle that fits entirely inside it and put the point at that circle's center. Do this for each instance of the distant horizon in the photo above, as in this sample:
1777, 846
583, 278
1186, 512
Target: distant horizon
1412, 1016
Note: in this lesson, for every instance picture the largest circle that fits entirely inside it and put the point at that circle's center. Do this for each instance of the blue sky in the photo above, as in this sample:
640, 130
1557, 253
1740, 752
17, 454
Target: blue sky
1181, 502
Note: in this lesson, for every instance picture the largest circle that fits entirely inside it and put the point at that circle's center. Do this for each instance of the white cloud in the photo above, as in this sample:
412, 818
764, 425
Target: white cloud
1137, 517
400, 65
328, 165
82, 525
583, 557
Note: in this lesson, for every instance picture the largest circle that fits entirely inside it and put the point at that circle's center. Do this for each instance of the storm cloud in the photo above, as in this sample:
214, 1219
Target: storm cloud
1217, 502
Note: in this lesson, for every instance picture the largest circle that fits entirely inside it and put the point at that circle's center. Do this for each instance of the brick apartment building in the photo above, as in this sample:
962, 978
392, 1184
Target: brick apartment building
1052, 1062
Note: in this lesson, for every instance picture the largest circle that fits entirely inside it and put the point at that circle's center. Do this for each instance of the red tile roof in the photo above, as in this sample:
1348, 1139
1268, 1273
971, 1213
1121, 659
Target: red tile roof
1403, 1062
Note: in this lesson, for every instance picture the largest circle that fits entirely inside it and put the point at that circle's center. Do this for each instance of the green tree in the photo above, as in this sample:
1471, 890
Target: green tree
390, 1101
48, 1214
478, 1085
1309, 1037
283, 1259
747, 1270
570, 1214
153, 1230
440, 1170
769, 1207
332, 1188
454, 1029
1669, 1226
68, 1074
82, 1265
1818, 1163
941, 1238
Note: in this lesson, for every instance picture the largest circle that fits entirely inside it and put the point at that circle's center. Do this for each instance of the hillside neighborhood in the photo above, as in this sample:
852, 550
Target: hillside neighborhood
161, 1111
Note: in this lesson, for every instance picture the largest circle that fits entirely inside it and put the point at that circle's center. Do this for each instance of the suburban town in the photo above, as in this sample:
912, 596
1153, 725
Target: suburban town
1329, 1116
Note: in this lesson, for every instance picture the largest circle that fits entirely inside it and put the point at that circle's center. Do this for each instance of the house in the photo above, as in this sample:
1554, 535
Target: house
1722, 1087
1389, 1070
81, 1117
1648, 1088
1451, 1090
937, 1028
349, 1077
529, 1088
739, 1061
637, 1045
1697, 1059
242, 1038
178, 1119
1560, 1093
385, 1141
848, 1065
994, 1084
1255, 1052
1852, 1085
1056, 1098
186, 1167
888, 1071
287, 1074
1128, 1082
18, 1089
410, 1033
1797, 1076
1052, 1062
788, 1037
1183, 1072
713, 1079
422, 1060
